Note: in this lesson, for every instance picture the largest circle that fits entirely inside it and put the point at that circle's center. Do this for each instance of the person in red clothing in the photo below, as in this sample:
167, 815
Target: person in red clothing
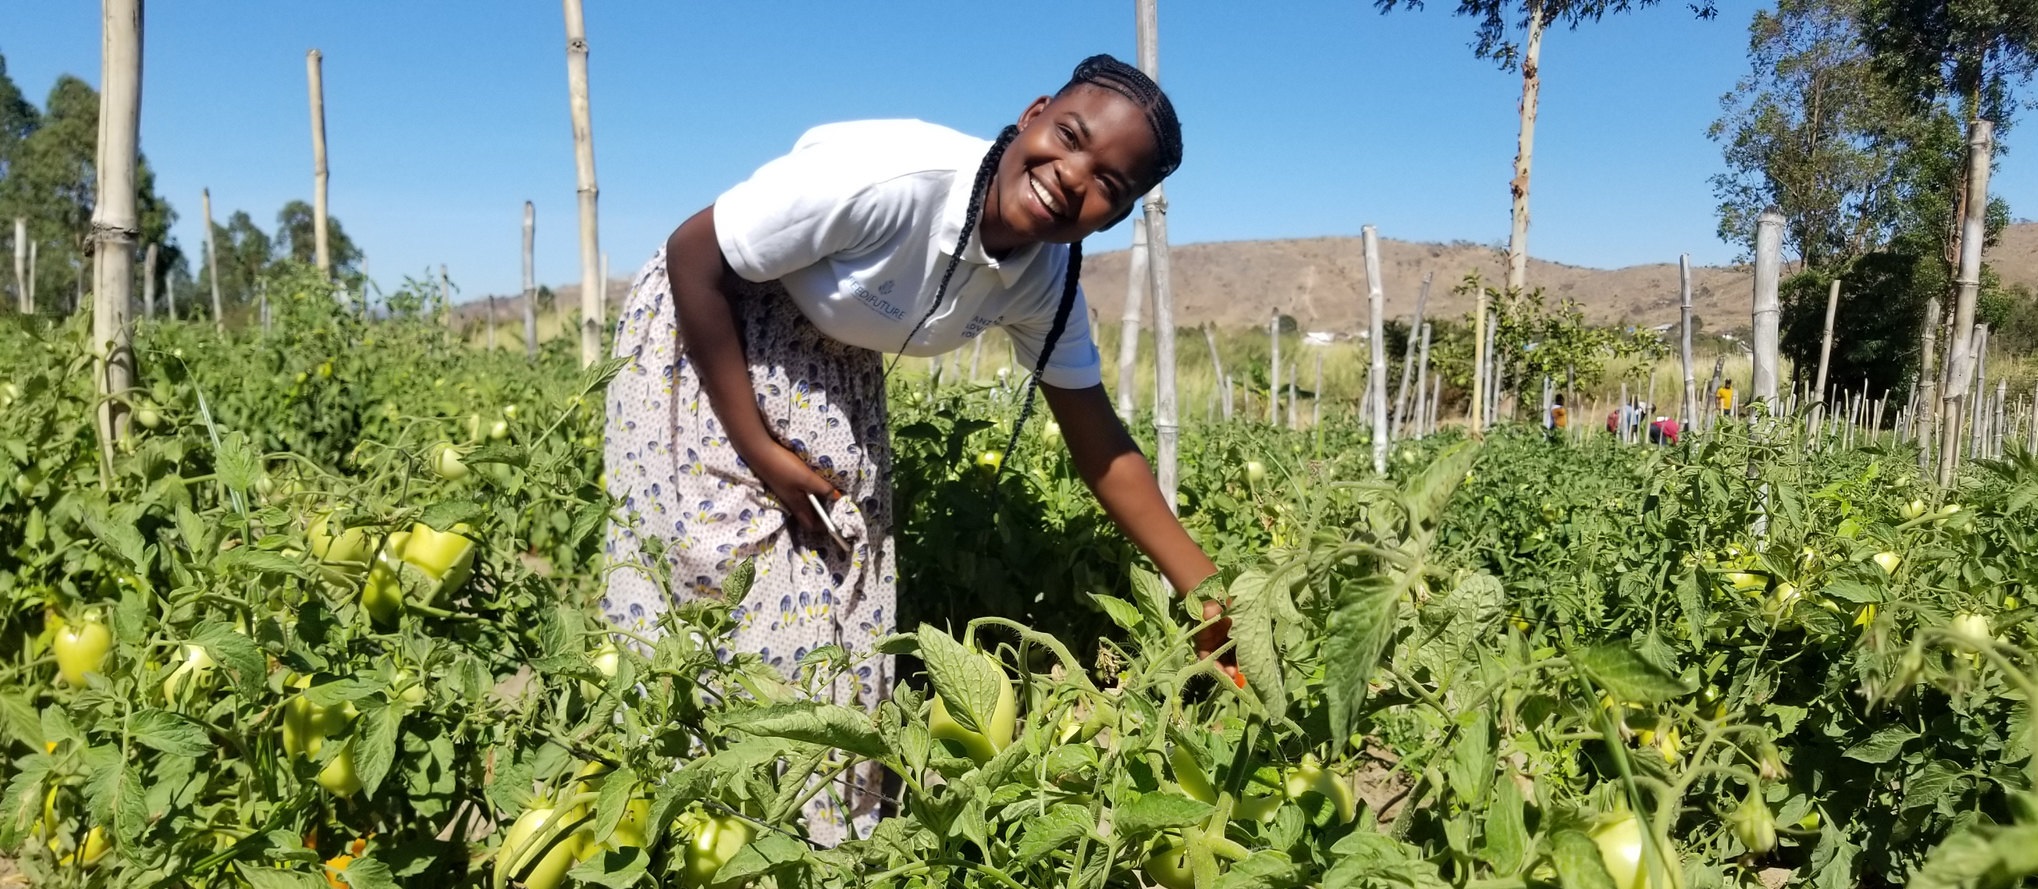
1663, 431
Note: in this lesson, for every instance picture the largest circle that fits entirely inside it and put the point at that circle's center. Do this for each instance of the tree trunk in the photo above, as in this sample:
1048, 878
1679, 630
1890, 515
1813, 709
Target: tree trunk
1136, 280
591, 306
1531, 89
115, 222
1400, 415
1959, 345
212, 265
149, 282
314, 72
1166, 431
1376, 309
531, 282
1825, 356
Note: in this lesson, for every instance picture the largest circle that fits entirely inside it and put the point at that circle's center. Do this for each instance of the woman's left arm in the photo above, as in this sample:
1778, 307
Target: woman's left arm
1110, 462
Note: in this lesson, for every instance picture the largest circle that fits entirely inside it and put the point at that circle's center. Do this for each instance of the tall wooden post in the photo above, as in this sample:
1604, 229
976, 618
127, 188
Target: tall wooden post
1819, 397
591, 306
21, 288
1960, 345
1924, 429
1376, 310
314, 72
1136, 281
212, 264
1400, 415
1216, 366
491, 322
530, 282
1977, 440
1425, 403
1767, 316
1274, 371
1166, 430
115, 223
149, 282
1690, 408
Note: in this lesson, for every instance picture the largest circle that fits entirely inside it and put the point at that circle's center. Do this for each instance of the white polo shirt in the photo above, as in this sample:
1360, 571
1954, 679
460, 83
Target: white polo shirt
858, 223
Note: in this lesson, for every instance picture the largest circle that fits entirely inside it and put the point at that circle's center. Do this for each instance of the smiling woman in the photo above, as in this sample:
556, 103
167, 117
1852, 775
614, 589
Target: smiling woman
755, 388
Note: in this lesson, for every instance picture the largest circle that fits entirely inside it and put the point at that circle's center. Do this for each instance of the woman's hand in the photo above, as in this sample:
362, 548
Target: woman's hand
1214, 636
790, 479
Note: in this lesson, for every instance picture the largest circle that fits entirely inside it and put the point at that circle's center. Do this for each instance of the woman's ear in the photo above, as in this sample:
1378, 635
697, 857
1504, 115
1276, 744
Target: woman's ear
1037, 108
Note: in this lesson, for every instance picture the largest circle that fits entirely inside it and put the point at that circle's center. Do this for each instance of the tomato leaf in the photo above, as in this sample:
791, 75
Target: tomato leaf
375, 747
1578, 864
1264, 869
1158, 811
1507, 838
613, 868
1882, 746
506, 454
968, 681
237, 652
343, 691
257, 562
830, 725
1252, 628
770, 852
1622, 670
1061, 825
1360, 624
169, 732
443, 515
1125, 614
367, 873
264, 878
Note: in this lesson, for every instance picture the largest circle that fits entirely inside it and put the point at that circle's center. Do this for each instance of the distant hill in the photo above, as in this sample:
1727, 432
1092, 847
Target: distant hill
1322, 283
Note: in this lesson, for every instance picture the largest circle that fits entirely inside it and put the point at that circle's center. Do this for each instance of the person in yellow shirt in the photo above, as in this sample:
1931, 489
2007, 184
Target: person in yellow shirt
1726, 397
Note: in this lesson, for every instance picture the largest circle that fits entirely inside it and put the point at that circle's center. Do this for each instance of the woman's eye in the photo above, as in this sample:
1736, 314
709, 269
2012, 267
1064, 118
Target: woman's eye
1068, 136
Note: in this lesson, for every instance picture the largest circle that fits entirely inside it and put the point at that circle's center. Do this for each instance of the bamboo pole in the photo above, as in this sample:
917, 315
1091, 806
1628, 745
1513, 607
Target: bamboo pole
1995, 428
1166, 429
21, 289
212, 264
591, 306
491, 322
1825, 357
1292, 396
1376, 309
530, 281
1960, 345
1690, 410
1492, 405
1436, 398
1216, 365
1426, 403
149, 282
1274, 370
1923, 429
1316, 401
1400, 415
314, 73
1768, 269
1136, 295
115, 222
1977, 440
1475, 414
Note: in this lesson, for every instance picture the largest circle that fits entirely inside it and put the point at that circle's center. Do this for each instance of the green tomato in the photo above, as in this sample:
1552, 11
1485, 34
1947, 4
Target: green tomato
407, 688
148, 418
1619, 838
634, 830
81, 650
345, 556
1972, 629
446, 462
195, 672
1255, 471
1311, 777
445, 556
978, 746
1190, 775
1168, 866
338, 777
989, 461
1754, 825
541, 867
716, 839
89, 853
1888, 561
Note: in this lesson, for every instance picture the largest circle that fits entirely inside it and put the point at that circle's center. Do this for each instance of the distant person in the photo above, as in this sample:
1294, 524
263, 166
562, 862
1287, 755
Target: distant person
1726, 397
1663, 431
1558, 418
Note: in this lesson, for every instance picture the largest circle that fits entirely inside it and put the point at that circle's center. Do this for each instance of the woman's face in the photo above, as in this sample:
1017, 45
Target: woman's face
1079, 161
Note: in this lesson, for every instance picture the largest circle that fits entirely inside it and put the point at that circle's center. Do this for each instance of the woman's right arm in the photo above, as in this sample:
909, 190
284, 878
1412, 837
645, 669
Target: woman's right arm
703, 292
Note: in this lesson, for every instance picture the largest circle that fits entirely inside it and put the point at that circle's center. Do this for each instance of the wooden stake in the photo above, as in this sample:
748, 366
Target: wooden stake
1400, 415
531, 282
1216, 364
1979, 151
1166, 428
592, 308
313, 69
21, 288
1825, 356
212, 264
1274, 370
1924, 420
115, 223
149, 282
1690, 410
1426, 402
1768, 268
1136, 295
1376, 309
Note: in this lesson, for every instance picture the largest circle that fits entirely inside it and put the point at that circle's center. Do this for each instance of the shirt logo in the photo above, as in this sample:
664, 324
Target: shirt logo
886, 288
874, 302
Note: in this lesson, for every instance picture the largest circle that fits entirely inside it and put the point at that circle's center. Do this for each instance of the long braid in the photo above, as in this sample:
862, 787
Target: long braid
986, 171
1054, 333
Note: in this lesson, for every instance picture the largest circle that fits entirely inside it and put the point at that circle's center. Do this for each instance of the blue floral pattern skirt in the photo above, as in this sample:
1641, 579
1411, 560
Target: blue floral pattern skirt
672, 469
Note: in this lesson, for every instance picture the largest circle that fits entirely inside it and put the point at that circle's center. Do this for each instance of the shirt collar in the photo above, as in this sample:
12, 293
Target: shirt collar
956, 208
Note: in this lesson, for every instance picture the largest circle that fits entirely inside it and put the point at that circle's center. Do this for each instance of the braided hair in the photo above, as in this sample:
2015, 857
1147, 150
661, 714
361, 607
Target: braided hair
1104, 72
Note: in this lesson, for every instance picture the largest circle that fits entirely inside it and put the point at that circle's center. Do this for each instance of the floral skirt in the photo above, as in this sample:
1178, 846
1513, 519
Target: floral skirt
672, 469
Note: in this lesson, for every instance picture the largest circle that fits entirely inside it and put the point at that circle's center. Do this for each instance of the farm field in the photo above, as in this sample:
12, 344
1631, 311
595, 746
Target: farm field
1508, 662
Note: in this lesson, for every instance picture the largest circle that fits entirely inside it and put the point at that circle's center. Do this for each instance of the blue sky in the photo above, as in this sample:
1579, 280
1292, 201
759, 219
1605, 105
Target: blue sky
1302, 118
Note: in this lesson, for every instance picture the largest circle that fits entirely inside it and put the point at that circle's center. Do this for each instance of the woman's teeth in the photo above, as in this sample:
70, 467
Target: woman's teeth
1046, 200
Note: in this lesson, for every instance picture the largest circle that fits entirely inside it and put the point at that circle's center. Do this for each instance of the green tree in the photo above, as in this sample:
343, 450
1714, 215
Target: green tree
18, 118
245, 254
296, 239
50, 180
